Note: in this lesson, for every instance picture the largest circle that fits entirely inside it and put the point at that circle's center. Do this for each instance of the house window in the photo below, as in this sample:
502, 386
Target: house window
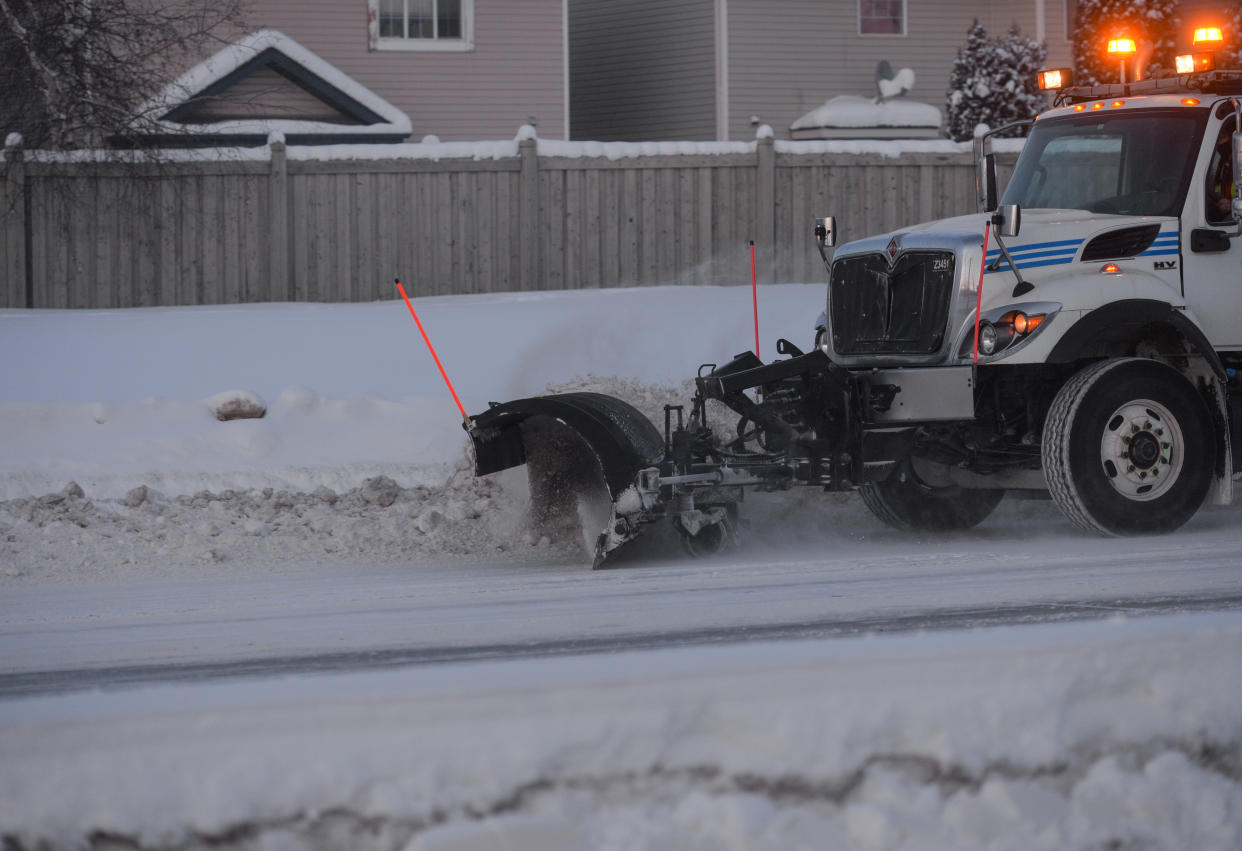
882, 17
421, 24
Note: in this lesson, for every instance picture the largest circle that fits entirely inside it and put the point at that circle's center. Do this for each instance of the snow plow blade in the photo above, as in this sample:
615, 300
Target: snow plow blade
583, 452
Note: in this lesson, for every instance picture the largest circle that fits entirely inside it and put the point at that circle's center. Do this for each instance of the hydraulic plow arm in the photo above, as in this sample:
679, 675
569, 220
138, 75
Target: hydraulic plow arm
597, 461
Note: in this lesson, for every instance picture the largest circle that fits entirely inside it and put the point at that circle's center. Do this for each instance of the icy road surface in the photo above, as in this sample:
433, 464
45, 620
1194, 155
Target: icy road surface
348, 616
935, 697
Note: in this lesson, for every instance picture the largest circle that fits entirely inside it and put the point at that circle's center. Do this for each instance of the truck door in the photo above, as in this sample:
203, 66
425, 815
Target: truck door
1212, 262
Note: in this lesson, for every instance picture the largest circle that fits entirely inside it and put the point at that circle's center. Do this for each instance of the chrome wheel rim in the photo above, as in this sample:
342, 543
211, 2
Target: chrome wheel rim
1142, 450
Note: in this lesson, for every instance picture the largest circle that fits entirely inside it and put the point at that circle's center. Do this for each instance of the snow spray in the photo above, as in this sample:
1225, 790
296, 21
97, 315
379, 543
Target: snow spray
464, 416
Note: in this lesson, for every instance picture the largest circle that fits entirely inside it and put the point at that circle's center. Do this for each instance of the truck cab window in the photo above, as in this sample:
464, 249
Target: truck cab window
1118, 166
1220, 189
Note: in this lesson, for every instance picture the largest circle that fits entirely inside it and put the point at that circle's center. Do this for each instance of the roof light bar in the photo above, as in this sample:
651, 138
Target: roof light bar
1208, 35
1189, 63
1055, 78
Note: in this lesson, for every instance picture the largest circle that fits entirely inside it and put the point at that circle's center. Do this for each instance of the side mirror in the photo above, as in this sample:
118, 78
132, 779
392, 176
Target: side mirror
1237, 176
826, 231
1008, 220
985, 183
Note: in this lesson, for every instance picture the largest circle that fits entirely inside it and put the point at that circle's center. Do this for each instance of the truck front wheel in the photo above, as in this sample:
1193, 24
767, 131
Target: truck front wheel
907, 502
1128, 448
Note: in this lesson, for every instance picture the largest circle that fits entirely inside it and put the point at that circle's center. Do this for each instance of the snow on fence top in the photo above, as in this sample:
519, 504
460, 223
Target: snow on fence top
504, 149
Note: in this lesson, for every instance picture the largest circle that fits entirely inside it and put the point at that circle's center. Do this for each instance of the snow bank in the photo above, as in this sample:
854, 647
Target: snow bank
130, 404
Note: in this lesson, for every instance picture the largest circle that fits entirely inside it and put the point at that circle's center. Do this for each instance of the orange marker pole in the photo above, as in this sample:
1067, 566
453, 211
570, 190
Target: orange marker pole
987, 229
754, 291
465, 418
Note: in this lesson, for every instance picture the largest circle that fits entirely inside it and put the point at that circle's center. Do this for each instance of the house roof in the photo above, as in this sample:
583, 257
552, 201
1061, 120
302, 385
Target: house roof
267, 83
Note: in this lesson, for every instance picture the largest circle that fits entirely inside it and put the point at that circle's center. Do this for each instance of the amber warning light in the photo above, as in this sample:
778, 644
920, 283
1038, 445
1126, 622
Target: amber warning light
1207, 35
1121, 45
1189, 63
1055, 78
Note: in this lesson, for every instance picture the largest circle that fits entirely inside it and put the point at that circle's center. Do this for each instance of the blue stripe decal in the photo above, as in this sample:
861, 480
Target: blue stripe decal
1031, 249
1059, 252
1005, 266
1052, 244
1063, 244
1063, 251
1166, 242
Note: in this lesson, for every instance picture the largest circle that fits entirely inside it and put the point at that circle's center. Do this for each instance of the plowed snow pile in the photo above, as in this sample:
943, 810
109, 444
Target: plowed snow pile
114, 461
410, 514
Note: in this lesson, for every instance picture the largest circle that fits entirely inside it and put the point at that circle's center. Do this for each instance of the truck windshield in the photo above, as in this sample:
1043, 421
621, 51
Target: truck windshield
1131, 163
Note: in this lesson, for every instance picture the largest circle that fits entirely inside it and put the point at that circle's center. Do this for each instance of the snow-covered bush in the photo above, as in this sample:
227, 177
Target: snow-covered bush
1151, 23
1231, 56
993, 82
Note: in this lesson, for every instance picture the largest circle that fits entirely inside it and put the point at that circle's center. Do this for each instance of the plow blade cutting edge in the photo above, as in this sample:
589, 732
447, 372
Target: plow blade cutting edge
583, 453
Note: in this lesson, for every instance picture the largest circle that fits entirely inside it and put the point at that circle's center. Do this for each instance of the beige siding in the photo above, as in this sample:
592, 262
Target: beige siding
642, 70
267, 93
514, 72
786, 57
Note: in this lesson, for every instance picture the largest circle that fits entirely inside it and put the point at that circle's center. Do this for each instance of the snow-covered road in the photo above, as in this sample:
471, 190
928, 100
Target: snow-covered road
347, 615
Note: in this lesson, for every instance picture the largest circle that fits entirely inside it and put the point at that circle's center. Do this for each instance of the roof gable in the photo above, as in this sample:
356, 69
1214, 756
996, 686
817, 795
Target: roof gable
265, 83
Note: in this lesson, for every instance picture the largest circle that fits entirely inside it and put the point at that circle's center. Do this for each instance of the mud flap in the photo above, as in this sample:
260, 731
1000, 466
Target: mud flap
583, 452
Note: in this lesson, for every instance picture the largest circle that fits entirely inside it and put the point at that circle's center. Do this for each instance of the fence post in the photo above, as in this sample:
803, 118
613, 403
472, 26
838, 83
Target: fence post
528, 205
15, 235
278, 261
765, 202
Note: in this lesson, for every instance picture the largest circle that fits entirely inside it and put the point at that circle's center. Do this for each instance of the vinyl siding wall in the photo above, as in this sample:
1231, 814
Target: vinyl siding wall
786, 57
267, 93
642, 71
515, 71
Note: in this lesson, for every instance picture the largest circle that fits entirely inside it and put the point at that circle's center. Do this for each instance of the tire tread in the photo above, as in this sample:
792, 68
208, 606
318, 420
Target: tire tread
1054, 450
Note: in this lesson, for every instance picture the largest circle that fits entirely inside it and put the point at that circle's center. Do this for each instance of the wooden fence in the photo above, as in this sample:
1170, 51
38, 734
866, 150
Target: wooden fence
268, 227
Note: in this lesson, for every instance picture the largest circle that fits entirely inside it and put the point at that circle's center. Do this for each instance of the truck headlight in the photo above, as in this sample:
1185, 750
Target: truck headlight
987, 338
1008, 328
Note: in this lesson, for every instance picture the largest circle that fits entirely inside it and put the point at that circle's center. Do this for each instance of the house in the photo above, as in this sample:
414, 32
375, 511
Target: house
712, 69
261, 84
459, 69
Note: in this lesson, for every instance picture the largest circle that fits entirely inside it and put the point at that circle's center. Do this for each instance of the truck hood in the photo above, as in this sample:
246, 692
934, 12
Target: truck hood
1051, 242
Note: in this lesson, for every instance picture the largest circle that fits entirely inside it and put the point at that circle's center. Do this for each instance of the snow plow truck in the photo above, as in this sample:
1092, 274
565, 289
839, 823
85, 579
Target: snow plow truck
1080, 336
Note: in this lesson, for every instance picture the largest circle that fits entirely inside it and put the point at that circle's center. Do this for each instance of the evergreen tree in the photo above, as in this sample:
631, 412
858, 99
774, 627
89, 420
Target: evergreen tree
1151, 23
1231, 56
993, 82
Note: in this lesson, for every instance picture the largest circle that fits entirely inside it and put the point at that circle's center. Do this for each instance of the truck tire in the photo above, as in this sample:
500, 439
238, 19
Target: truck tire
1128, 448
908, 503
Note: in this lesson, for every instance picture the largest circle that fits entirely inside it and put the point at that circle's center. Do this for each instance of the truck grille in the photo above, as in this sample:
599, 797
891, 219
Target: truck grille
900, 309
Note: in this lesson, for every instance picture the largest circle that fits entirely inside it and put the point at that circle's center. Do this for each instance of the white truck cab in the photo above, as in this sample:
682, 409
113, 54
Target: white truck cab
1082, 335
